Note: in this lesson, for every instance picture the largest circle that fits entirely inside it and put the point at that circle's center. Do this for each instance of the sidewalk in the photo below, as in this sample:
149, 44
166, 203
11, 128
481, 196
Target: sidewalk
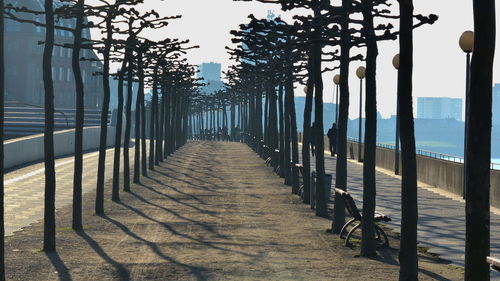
441, 225
212, 211
24, 187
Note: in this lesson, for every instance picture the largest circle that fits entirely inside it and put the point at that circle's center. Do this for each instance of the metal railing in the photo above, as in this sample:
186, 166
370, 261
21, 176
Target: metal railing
431, 154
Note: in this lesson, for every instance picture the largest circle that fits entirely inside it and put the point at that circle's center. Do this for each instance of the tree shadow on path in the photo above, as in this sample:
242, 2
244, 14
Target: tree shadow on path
390, 255
62, 270
205, 226
198, 272
175, 232
152, 189
122, 272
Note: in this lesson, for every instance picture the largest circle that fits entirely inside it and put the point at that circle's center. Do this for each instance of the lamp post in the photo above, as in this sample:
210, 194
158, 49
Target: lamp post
336, 80
395, 63
360, 72
466, 43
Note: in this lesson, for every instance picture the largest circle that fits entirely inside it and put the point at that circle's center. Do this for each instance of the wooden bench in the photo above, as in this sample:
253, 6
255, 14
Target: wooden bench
357, 219
495, 263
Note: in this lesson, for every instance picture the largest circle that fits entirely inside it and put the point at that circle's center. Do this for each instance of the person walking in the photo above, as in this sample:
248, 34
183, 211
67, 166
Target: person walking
332, 137
312, 139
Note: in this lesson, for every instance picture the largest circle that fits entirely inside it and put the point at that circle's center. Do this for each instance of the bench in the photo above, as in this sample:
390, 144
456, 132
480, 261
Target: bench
276, 161
495, 263
300, 167
266, 154
357, 219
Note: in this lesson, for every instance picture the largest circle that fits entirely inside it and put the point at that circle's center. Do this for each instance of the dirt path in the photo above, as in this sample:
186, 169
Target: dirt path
213, 211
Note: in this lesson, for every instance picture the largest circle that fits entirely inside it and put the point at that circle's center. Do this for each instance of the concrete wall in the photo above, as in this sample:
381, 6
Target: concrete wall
30, 149
439, 173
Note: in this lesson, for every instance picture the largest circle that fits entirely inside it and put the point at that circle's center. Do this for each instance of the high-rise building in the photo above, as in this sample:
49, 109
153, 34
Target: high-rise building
210, 71
23, 60
211, 74
439, 108
496, 104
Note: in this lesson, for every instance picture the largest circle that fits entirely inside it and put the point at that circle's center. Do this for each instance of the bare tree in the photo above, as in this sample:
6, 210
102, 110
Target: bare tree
79, 118
477, 237
49, 236
2, 110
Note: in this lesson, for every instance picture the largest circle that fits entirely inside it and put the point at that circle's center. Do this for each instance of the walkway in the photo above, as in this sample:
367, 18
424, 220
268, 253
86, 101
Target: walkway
24, 188
212, 211
441, 225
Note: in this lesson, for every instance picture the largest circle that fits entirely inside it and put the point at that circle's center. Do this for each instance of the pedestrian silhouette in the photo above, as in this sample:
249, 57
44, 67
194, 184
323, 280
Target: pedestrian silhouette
332, 137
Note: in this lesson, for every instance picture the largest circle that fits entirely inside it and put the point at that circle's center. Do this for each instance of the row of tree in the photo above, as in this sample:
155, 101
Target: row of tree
272, 56
151, 64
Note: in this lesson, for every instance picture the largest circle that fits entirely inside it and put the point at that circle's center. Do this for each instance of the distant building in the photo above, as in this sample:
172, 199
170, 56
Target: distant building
210, 71
439, 108
23, 55
211, 74
496, 104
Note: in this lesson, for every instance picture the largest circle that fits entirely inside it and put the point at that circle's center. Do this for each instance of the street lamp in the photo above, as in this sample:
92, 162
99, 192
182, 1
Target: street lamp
336, 80
395, 63
360, 72
466, 43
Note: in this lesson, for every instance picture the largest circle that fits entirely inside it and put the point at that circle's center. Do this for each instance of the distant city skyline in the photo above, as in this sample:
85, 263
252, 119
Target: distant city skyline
439, 108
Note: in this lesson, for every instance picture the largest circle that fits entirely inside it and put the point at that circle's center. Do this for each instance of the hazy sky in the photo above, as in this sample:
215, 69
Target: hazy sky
439, 68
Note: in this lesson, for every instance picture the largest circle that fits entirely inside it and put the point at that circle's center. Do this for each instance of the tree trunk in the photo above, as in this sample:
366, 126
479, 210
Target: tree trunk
293, 126
162, 123
49, 227
166, 130
99, 201
321, 208
79, 118
409, 206
173, 109
118, 136
2, 112
306, 157
273, 118
281, 131
369, 180
477, 237
158, 131
137, 155
286, 160
154, 104
258, 105
233, 120
143, 128
266, 119
128, 117
341, 167
281, 119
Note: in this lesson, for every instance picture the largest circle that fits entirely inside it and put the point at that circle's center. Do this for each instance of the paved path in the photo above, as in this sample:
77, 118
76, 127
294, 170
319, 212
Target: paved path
212, 211
24, 188
441, 225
